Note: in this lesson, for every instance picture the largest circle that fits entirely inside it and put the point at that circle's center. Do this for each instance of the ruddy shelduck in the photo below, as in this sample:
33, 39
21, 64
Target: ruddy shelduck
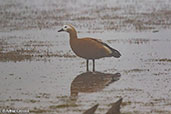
89, 48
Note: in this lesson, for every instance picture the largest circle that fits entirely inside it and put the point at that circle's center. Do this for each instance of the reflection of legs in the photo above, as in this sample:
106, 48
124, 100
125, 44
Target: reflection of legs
93, 64
87, 65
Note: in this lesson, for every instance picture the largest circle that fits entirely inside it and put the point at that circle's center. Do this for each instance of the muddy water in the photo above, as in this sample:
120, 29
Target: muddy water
40, 73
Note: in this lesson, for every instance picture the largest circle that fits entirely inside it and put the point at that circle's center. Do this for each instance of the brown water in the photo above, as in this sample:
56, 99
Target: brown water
40, 73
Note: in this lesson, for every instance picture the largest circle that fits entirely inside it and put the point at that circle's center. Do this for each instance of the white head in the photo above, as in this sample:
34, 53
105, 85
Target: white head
67, 28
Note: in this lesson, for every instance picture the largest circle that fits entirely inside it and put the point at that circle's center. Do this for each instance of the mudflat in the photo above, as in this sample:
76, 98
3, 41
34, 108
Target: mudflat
38, 69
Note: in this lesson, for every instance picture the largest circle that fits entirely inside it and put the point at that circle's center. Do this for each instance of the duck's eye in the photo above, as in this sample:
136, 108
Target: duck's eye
65, 26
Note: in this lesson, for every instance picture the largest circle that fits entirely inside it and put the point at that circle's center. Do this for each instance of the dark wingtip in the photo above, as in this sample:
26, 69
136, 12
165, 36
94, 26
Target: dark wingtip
116, 53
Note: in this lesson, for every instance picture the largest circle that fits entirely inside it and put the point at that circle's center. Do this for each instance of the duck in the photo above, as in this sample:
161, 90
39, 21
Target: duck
87, 47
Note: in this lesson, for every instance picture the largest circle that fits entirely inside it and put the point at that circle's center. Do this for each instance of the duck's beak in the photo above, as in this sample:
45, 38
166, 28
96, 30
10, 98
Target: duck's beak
61, 30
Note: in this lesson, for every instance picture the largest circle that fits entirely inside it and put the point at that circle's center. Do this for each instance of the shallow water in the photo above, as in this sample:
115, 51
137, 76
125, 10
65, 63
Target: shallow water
39, 72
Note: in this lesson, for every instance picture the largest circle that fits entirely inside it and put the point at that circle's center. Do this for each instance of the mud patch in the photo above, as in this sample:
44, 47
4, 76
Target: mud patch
133, 41
161, 60
18, 55
136, 70
62, 106
31, 50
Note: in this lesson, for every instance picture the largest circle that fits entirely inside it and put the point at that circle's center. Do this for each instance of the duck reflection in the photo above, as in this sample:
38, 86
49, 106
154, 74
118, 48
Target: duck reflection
92, 82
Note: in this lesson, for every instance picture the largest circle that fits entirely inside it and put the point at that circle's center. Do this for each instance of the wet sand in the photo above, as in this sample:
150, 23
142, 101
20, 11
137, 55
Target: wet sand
40, 73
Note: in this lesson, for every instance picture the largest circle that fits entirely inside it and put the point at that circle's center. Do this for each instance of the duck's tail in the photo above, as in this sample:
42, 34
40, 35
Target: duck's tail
115, 53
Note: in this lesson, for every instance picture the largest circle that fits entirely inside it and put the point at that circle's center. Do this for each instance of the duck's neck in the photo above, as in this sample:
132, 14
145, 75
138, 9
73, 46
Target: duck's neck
73, 35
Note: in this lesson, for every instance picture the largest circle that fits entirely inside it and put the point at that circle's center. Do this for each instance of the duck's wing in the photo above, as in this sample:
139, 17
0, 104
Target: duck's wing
114, 53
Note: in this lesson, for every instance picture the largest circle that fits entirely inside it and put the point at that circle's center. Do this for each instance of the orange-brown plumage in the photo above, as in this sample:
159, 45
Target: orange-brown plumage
88, 48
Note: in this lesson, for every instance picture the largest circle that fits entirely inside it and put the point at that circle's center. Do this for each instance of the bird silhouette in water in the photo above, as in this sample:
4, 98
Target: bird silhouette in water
91, 110
115, 109
89, 48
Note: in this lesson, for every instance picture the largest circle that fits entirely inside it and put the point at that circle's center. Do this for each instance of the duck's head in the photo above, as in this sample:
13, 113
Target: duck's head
67, 28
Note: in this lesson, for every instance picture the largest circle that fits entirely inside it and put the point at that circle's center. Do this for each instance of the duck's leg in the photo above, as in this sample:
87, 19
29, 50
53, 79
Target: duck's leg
87, 65
93, 65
